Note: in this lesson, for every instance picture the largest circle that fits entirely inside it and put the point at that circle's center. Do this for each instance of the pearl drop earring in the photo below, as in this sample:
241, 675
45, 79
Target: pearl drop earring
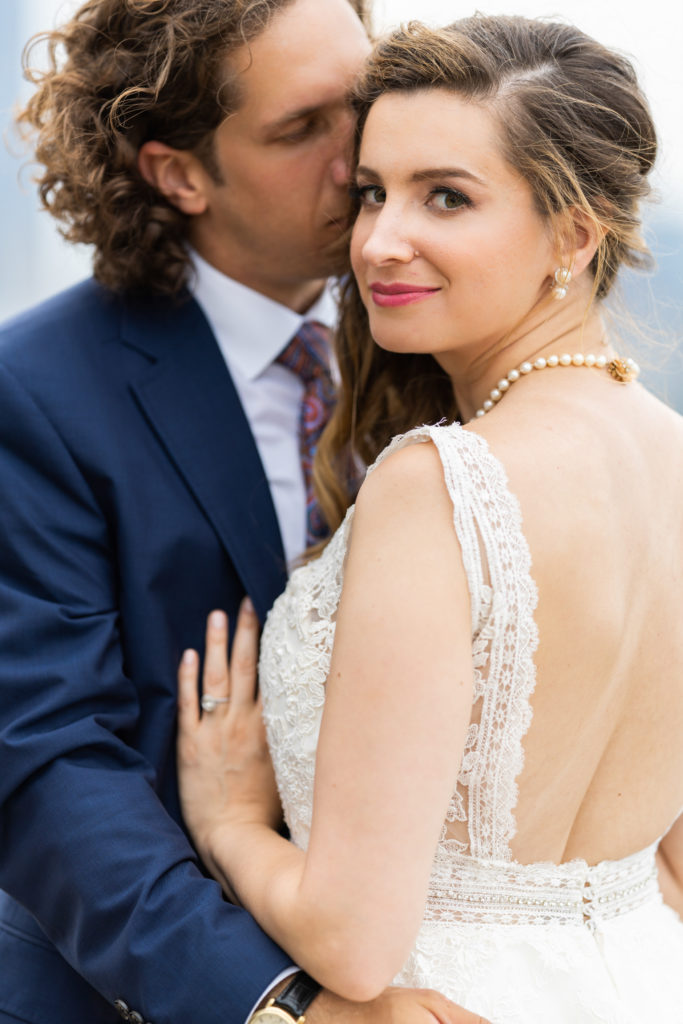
563, 276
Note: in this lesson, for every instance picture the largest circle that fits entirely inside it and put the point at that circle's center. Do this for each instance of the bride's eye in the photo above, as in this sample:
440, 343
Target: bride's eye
447, 199
368, 195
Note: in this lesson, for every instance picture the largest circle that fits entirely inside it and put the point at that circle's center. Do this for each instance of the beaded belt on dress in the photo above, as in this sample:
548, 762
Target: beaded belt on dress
573, 893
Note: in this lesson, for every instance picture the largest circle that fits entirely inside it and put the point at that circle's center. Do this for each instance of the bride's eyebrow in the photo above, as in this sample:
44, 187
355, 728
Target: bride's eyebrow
429, 174
446, 172
367, 172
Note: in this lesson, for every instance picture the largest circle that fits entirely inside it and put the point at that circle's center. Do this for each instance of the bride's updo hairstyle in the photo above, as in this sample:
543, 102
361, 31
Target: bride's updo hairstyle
573, 122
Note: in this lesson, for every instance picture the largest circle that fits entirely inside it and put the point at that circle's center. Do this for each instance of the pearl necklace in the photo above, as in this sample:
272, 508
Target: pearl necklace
623, 370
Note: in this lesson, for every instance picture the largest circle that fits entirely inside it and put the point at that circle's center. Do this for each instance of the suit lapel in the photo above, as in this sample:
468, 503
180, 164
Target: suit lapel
190, 400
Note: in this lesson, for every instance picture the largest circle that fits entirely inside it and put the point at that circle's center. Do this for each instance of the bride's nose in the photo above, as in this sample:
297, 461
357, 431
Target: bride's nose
388, 239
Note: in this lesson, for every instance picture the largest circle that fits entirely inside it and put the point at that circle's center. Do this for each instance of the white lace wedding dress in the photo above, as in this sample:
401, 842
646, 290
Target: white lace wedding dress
519, 944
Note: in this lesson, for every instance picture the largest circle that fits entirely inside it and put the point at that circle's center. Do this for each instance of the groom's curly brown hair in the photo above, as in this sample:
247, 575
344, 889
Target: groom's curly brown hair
120, 73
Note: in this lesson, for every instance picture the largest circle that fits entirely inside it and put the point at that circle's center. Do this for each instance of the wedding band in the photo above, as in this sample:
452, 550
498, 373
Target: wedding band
210, 703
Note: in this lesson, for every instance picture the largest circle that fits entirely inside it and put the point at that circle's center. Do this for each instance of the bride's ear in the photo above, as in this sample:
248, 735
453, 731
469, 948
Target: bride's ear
579, 235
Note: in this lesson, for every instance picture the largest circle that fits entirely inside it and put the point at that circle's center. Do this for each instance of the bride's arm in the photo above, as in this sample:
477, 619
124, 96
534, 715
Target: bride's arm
670, 865
397, 708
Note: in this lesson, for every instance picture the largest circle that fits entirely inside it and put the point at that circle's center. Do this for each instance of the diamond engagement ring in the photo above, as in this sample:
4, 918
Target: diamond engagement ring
210, 703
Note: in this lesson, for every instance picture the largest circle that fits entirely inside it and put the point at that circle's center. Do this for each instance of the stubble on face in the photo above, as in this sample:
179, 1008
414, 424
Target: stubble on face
277, 219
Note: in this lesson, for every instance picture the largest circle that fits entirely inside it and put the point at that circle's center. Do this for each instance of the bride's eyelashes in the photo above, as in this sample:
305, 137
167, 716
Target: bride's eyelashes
441, 197
452, 198
367, 195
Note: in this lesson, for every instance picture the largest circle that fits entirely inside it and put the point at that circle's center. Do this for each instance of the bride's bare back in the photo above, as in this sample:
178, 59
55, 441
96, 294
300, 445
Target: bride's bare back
598, 471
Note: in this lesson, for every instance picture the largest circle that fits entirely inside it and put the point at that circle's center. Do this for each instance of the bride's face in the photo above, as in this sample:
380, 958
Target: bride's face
449, 250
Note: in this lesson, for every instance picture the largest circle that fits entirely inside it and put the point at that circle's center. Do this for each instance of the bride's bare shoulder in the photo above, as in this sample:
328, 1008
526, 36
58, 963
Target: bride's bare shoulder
406, 489
408, 467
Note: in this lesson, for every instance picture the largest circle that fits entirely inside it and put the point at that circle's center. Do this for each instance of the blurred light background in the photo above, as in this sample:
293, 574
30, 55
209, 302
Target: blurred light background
35, 262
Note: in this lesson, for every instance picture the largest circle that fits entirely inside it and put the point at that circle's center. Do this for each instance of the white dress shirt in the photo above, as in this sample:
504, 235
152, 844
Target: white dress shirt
251, 331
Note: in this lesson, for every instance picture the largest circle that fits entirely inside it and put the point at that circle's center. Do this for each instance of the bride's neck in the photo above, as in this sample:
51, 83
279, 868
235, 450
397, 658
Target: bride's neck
553, 328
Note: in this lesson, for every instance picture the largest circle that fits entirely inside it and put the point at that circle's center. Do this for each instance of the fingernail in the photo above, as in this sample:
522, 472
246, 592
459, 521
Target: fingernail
248, 607
189, 656
217, 620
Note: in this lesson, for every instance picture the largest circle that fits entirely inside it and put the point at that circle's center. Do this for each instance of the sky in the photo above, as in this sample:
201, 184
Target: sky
39, 263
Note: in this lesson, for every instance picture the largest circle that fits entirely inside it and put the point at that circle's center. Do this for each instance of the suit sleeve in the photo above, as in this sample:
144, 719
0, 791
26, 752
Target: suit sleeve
85, 844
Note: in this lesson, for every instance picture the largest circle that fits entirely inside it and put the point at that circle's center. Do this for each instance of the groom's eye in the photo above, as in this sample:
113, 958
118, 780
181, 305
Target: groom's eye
298, 130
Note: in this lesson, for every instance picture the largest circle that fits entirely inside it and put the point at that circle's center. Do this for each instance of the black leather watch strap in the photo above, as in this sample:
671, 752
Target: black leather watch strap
298, 995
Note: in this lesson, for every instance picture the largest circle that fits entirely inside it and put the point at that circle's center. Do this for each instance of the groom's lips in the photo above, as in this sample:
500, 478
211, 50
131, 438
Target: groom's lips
399, 294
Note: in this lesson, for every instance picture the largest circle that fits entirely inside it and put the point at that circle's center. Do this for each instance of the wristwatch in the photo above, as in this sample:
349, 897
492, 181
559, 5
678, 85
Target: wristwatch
291, 1005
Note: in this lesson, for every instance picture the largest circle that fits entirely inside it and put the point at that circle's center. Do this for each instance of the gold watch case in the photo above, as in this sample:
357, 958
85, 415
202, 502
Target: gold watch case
270, 1014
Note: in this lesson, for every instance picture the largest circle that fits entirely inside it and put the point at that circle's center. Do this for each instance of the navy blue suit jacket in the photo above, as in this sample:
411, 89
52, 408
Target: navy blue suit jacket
133, 501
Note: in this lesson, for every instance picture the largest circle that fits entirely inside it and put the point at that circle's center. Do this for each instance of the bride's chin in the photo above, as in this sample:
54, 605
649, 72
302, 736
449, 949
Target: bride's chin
403, 346
391, 345
392, 337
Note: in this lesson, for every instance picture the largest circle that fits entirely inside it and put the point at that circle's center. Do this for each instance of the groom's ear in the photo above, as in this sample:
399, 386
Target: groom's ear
177, 174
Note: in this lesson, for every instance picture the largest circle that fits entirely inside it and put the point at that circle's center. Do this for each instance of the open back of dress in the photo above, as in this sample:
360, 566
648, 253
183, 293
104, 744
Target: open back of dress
518, 943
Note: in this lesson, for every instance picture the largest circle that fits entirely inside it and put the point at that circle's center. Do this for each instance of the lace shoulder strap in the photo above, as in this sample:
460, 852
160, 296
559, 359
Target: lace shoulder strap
503, 596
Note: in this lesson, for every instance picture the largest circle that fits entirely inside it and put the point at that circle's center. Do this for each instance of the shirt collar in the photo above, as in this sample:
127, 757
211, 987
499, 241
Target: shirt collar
251, 329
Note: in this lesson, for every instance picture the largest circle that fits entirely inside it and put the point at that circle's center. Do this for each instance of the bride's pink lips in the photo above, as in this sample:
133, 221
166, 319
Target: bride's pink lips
399, 294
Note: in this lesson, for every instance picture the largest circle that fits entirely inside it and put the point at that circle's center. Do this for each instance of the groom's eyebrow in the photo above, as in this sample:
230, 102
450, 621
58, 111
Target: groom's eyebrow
323, 105
292, 115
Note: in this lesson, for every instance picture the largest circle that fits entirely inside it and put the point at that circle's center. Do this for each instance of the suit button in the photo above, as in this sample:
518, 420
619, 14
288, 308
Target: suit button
122, 1009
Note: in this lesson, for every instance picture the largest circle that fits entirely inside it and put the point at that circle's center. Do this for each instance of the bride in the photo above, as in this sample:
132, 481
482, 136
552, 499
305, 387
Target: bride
474, 697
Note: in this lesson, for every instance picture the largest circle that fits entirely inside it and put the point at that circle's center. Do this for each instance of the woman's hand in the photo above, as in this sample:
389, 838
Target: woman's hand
225, 774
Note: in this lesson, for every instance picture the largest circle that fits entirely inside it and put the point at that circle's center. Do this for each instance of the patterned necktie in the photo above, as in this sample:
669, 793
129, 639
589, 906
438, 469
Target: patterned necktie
307, 355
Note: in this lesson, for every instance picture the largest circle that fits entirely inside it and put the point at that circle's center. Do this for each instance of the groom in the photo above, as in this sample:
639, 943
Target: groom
149, 472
